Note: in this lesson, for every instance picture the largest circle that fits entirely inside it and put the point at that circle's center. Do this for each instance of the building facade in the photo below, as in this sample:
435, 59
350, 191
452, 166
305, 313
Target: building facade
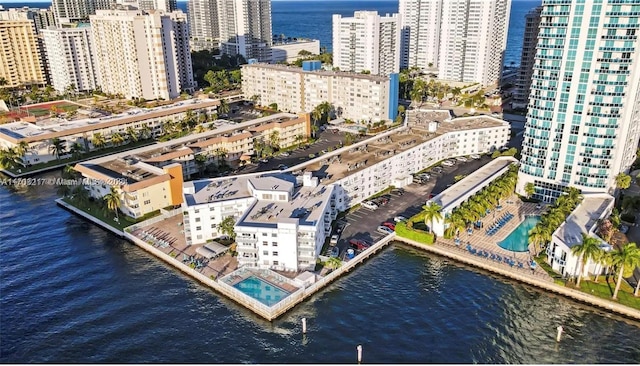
142, 55
470, 42
245, 28
68, 11
583, 121
203, 24
527, 59
367, 42
293, 89
69, 56
20, 57
289, 51
42, 18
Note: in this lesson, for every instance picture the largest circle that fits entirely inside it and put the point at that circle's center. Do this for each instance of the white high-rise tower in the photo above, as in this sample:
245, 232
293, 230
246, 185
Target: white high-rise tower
203, 24
245, 28
583, 122
420, 33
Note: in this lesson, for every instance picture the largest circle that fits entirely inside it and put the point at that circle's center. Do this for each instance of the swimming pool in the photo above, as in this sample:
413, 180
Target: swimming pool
262, 291
518, 239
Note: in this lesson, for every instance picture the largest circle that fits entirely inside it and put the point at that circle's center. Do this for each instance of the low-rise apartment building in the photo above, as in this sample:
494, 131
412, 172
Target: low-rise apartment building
289, 51
293, 89
282, 221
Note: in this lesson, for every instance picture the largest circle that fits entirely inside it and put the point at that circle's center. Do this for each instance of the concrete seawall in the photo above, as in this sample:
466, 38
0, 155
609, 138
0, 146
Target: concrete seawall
79, 212
579, 296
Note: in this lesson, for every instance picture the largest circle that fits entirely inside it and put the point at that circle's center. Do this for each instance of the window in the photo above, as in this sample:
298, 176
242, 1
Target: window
198, 228
275, 254
265, 243
275, 263
274, 243
197, 219
274, 235
265, 252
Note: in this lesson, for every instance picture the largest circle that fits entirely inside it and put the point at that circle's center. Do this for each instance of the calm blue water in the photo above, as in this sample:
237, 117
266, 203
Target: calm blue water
518, 239
71, 292
262, 291
312, 18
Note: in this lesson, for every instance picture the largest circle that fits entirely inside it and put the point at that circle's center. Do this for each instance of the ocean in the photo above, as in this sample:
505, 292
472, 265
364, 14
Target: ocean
71, 292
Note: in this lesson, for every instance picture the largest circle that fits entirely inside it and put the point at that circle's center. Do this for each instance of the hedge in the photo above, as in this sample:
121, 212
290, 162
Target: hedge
417, 235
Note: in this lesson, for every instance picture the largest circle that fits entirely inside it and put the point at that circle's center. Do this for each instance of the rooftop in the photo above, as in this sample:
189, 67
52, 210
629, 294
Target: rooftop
367, 153
583, 219
345, 74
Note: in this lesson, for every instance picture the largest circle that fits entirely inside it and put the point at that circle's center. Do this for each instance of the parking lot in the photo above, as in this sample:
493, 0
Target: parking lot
362, 224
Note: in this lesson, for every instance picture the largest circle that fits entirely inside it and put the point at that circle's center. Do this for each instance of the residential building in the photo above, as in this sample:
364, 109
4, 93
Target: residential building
353, 95
527, 59
69, 11
38, 133
583, 121
367, 42
289, 50
143, 188
166, 5
583, 220
420, 20
69, 55
470, 42
42, 18
20, 58
142, 55
282, 221
245, 28
203, 24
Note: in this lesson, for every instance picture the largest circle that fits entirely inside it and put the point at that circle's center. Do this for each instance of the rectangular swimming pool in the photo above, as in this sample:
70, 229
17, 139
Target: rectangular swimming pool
261, 290
518, 239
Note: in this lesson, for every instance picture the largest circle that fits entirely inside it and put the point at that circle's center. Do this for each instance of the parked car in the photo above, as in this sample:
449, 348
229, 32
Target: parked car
334, 240
384, 230
437, 170
398, 191
389, 225
264, 161
335, 252
358, 244
369, 205
461, 158
624, 229
449, 162
285, 154
282, 167
474, 156
387, 196
399, 219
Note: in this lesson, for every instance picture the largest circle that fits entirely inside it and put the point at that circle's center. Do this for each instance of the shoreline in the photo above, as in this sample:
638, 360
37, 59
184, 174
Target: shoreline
439, 249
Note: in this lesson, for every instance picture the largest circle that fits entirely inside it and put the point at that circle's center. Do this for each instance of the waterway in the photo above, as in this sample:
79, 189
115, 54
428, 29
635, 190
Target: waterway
71, 292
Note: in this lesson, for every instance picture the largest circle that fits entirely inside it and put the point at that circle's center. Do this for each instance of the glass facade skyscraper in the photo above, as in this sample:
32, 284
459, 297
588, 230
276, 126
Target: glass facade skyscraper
583, 120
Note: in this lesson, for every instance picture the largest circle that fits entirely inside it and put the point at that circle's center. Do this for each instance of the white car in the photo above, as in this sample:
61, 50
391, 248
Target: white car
474, 156
385, 230
334, 240
399, 219
369, 205
448, 163
461, 158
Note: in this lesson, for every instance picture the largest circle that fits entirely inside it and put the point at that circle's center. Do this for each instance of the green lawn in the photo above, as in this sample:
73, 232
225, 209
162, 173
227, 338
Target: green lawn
95, 210
414, 233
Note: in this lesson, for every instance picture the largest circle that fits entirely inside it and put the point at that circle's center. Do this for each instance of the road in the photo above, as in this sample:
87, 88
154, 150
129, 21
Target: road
362, 223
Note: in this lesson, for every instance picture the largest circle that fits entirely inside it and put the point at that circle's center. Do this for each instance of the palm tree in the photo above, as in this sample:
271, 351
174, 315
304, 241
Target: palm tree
223, 108
628, 256
274, 139
10, 159
432, 212
145, 132
333, 263
316, 114
529, 189
22, 148
199, 129
132, 134
116, 139
221, 155
76, 150
538, 236
56, 147
112, 200
98, 140
623, 181
201, 162
589, 249
81, 195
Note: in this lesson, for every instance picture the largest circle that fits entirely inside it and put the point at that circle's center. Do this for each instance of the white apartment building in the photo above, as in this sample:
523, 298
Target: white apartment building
420, 20
466, 37
245, 28
42, 18
142, 55
282, 221
354, 96
69, 55
68, 11
584, 219
203, 24
583, 121
289, 51
367, 42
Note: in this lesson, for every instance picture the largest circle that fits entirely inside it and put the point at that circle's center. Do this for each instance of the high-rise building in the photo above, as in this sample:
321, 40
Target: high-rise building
245, 28
166, 5
203, 24
68, 11
527, 59
420, 33
69, 55
142, 54
20, 60
42, 18
464, 39
583, 122
367, 42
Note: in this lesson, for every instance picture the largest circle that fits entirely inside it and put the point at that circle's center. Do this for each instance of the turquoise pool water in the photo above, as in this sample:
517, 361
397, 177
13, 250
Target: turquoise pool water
262, 291
518, 239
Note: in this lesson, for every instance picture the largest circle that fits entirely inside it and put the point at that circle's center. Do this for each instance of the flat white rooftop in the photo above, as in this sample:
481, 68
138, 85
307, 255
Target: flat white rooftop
583, 219
232, 188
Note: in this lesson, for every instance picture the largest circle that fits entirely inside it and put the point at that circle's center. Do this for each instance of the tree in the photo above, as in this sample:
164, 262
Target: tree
113, 200
273, 106
587, 250
626, 259
349, 138
10, 159
538, 236
623, 181
98, 140
529, 189
432, 212
76, 150
221, 154
199, 129
223, 108
227, 226
116, 139
255, 99
333, 263
304, 53
145, 132
274, 140
201, 162
22, 148
132, 134
56, 147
